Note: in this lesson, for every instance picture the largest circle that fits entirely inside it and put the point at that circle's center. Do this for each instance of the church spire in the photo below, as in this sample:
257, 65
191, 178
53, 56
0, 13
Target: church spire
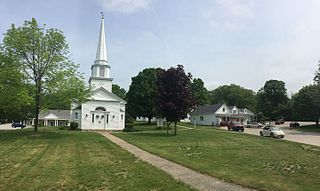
101, 57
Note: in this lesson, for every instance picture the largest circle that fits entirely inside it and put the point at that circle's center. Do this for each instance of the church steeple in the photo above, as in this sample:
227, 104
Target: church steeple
100, 70
101, 56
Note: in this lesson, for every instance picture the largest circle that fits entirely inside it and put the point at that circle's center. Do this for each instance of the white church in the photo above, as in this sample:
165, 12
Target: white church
103, 110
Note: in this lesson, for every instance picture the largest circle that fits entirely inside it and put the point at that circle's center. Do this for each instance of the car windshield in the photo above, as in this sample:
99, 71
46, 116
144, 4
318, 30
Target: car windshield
236, 123
275, 128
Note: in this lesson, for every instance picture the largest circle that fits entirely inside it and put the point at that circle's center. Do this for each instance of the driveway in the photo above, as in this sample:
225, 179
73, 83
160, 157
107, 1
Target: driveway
7, 126
310, 138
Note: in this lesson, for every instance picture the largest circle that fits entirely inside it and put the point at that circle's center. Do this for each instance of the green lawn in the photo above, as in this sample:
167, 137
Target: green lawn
253, 161
308, 128
73, 160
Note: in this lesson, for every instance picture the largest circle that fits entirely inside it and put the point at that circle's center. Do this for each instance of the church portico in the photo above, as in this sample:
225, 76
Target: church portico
103, 110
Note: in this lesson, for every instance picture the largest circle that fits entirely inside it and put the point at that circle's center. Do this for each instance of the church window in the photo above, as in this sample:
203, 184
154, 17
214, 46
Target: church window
107, 118
121, 116
102, 71
76, 115
92, 119
100, 109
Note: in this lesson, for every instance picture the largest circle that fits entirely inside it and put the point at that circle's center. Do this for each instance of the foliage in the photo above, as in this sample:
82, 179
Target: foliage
234, 95
199, 93
272, 99
74, 125
141, 94
239, 158
15, 100
174, 98
121, 92
42, 56
73, 160
305, 106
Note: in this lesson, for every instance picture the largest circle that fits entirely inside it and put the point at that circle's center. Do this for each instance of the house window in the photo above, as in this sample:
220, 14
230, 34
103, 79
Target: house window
121, 116
76, 115
102, 71
201, 118
92, 119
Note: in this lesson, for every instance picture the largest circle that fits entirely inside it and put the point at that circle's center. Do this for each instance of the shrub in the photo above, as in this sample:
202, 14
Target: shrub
74, 125
129, 119
128, 127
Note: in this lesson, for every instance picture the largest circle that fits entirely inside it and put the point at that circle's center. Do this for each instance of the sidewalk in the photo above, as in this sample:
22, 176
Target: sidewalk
181, 173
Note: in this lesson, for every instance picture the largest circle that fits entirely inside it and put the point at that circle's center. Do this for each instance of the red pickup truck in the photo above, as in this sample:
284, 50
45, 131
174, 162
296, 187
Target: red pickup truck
235, 126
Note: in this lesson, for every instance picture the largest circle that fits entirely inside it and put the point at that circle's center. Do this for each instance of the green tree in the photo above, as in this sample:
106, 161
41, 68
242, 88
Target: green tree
174, 95
305, 105
141, 94
199, 92
234, 95
42, 56
272, 99
15, 99
122, 93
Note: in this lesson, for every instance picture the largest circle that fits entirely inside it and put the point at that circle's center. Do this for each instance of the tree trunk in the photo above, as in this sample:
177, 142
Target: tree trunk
317, 121
149, 120
168, 128
175, 128
36, 122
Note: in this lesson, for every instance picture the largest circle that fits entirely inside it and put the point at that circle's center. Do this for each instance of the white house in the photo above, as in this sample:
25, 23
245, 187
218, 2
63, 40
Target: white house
103, 110
52, 118
215, 114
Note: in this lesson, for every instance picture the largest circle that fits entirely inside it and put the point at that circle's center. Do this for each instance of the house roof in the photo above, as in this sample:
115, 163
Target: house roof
206, 109
55, 114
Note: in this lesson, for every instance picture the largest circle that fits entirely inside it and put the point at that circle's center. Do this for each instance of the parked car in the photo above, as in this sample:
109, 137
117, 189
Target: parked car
272, 131
280, 121
254, 125
17, 124
294, 124
235, 126
224, 123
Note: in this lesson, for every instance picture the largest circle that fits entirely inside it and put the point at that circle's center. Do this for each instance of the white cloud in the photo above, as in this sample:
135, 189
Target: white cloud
126, 6
229, 14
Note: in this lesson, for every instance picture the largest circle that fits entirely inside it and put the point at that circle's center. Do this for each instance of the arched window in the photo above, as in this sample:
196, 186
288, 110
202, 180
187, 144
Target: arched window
100, 109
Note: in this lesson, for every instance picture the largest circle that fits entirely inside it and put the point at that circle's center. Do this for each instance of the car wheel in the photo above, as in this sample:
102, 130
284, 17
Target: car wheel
272, 135
228, 129
242, 130
261, 134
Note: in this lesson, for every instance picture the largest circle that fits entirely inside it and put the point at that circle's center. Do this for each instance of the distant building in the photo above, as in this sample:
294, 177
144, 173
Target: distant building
52, 118
215, 114
103, 110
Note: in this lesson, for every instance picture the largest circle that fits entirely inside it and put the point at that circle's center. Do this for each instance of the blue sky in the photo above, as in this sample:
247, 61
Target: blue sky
245, 42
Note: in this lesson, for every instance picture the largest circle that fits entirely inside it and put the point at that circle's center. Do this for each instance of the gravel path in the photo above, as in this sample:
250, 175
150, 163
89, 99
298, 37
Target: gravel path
181, 173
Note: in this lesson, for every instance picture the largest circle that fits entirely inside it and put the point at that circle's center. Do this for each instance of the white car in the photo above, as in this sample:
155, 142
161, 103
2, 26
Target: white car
272, 131
254, 125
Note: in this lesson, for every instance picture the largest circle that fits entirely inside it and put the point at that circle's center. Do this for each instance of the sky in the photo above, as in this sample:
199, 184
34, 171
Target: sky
245, 42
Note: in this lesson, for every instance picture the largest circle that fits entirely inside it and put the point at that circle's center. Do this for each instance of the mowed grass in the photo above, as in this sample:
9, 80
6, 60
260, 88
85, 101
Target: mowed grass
308, 128
253, 161
73, 160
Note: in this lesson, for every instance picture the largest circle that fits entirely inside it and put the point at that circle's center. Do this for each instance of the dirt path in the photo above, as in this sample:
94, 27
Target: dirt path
181, 173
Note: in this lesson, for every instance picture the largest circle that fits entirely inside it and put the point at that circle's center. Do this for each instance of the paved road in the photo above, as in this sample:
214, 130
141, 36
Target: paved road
310, 138
7, 126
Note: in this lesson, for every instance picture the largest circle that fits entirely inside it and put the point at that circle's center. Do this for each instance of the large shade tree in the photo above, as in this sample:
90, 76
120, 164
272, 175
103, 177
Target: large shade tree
15, 99
141, 94
234, 95
199, 93
121, 92
272, 99
174, 95
42, 56
305, 105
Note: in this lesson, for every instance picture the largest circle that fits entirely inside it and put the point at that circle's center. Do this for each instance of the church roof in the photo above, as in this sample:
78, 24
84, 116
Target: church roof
114, 96
102, 48
55, 114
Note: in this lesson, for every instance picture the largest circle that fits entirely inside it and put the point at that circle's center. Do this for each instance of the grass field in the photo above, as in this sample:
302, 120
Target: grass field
73, 160
253, 161
308, 128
